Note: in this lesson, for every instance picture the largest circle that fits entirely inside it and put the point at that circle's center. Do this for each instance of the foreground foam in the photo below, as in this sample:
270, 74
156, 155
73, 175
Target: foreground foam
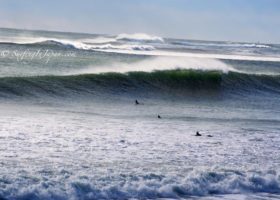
148, 186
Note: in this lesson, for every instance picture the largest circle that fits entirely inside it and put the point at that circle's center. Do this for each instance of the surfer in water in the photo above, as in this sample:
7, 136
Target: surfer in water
159, 117
197, 134
136, 102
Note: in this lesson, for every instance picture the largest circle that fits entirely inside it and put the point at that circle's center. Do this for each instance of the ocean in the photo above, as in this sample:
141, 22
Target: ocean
70, 128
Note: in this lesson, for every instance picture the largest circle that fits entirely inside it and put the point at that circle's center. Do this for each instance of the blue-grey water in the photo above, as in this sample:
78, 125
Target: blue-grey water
69, 127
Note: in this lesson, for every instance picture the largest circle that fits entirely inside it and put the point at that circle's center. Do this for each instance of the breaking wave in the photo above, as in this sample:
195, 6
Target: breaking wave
90, 43
181, 82
139, 37
158, 63
82, 45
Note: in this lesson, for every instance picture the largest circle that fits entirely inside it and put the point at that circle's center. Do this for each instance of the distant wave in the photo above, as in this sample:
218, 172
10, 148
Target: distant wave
110, 44
219, 44
256, 45
20, 40
125, 47
148, 186
139, 37
81, 45
101, 42
196, 55
98, 40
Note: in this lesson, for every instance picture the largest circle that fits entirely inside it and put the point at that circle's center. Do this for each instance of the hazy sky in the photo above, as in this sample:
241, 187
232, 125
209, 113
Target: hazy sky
235, 20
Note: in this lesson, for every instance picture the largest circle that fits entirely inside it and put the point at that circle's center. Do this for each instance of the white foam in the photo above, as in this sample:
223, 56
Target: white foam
98, 40
229, 44
255, 45
122, 47
198, 55
97, 44
158, 63
83, 46
125, 47
21, 40
139, 37
149, 186
103, 44
34, 40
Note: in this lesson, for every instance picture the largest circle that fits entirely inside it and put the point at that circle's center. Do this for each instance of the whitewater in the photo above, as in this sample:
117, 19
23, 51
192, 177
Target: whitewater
70, 129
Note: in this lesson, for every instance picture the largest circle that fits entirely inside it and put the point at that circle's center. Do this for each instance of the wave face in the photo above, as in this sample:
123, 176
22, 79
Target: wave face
179, 82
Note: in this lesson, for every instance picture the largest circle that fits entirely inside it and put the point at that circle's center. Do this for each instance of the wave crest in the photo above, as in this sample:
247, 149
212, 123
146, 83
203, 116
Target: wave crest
139, 37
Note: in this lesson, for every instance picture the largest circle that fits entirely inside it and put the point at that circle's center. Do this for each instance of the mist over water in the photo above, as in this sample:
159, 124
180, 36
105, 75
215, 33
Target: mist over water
70, 128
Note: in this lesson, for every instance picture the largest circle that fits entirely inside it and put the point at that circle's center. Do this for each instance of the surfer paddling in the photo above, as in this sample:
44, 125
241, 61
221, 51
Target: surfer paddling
198, 134
138, 103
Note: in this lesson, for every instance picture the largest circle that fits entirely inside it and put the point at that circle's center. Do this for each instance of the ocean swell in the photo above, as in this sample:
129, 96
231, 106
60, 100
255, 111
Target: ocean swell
181, 82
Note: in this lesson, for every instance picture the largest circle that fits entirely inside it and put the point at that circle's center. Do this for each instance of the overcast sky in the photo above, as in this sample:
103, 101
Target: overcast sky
234, 20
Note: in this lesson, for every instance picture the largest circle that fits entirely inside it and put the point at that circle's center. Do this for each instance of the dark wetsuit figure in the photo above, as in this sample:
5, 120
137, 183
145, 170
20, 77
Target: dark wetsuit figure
198, 134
